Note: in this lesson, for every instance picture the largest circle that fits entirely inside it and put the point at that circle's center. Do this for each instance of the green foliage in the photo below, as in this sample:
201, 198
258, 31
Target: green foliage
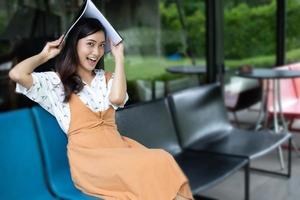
2, 21
259, 61
170, 26
250, 28
250, 31
3, 46
293, 15
196, 32
169, 16
146, 68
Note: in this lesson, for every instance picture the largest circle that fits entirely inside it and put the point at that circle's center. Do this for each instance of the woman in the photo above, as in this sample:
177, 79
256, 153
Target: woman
83, 99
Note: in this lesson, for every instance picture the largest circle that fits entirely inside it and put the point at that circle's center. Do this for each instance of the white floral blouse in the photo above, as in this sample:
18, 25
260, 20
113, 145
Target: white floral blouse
47, 90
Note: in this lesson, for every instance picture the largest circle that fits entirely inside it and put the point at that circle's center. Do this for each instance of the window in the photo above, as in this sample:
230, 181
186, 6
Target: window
250, 33
156, 37
293, 32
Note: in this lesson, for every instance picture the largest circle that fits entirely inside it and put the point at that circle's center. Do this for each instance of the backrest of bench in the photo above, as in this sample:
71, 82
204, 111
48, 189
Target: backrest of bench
150, 124
53, 139
21, 168
54, 149
200, 114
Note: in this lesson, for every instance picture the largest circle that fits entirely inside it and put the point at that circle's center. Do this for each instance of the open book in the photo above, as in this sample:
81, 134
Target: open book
89, 10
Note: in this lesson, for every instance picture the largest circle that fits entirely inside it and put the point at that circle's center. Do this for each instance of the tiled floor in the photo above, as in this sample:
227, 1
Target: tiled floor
262, 186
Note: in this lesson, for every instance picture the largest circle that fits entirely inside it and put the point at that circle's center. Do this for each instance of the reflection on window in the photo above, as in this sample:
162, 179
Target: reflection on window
157, 34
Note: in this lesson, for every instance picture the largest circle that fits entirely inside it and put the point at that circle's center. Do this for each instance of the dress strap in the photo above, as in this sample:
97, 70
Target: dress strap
108, 76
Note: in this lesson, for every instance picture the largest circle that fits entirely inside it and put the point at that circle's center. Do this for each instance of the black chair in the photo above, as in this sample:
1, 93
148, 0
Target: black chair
151, 124
203, 125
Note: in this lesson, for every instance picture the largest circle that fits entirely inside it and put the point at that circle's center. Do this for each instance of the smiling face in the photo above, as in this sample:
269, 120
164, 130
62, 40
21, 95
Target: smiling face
90, 49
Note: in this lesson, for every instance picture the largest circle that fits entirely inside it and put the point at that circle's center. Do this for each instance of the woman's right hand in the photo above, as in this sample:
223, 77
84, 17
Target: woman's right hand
21, 73
51, 49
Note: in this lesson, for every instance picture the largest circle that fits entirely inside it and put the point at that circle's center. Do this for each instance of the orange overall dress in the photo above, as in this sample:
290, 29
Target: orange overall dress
105, 164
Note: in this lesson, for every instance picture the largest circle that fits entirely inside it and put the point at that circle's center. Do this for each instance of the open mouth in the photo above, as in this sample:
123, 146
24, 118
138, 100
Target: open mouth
92, 60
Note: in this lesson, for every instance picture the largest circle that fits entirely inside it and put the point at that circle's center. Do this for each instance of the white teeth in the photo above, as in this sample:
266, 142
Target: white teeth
93, 59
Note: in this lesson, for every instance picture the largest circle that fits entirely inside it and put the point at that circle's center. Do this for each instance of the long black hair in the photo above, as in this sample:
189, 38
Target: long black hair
68, 60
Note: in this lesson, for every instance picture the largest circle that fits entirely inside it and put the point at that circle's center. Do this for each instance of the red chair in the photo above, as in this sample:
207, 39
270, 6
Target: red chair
288, 95
295, 113
290, 98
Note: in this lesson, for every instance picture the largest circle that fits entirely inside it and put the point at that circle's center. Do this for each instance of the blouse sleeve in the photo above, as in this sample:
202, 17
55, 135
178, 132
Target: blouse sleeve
109, 84
43, 90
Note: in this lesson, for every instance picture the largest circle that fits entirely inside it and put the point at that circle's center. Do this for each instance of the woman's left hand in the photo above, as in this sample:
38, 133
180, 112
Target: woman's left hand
118, 88
117, 50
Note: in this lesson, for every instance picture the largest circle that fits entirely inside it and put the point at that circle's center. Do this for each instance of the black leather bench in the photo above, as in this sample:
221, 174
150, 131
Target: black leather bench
152, 125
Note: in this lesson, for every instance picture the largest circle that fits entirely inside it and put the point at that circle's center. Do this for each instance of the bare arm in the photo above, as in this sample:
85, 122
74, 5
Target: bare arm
119, 87
21, 73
